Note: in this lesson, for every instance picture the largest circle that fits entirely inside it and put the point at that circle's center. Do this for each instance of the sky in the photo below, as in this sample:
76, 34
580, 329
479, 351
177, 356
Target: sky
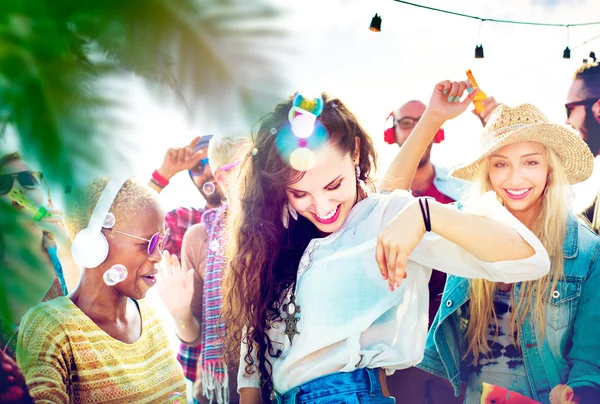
332, 50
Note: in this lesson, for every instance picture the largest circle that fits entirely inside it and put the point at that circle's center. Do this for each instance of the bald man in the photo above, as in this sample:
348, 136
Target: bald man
414, 385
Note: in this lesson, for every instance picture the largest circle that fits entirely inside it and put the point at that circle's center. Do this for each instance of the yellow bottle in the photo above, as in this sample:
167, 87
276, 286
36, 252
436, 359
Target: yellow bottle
479, 97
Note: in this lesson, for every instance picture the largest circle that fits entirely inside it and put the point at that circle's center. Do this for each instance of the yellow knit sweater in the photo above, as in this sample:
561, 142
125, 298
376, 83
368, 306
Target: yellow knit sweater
66, 357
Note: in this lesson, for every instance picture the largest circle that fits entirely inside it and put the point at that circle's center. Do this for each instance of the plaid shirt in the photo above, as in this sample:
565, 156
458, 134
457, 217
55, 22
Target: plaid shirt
179, 220
189, 356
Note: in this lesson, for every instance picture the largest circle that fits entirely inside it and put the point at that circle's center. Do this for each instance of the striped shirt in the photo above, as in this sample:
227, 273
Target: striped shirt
66, 357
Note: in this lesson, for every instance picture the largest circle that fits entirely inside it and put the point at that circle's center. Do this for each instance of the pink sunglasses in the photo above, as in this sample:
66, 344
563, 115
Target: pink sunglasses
157, 240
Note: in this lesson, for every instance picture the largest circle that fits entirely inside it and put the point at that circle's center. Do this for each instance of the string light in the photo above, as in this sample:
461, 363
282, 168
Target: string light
474, 17
376, 25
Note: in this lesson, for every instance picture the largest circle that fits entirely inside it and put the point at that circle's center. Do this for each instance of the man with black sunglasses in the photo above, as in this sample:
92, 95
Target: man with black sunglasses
583, 114
583, 105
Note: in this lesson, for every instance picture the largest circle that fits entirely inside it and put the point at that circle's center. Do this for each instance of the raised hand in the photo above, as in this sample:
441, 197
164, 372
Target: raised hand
445, 102
55, 225
180, 159
490, 104
175, 285
563, 394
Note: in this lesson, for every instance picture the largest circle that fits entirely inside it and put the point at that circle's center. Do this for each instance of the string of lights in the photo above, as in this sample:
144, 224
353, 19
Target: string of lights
482, 19
376, 25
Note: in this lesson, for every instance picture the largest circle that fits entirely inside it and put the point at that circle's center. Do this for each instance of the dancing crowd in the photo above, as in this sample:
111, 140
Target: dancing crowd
309, 277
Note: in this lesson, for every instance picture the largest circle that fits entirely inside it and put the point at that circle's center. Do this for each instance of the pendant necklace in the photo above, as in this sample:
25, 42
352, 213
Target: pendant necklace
291, 309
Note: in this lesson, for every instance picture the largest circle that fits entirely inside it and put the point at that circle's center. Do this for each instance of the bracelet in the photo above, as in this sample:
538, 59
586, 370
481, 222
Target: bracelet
153, 181
162, 181
426, 216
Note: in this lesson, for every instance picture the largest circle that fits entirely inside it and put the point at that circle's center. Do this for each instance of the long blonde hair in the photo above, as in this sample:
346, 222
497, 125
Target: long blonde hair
549, 225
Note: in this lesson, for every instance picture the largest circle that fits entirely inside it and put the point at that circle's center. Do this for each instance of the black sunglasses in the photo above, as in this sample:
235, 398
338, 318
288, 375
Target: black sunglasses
27, 179
407, 122
570, 106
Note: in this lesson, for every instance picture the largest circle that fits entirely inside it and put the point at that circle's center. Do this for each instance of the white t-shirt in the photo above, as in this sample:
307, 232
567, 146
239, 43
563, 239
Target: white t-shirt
349, 317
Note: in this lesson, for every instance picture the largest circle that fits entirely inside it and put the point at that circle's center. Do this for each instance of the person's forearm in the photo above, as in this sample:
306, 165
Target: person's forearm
250, 395
485, 238
71, 270
402, 170
187, 327
155, 187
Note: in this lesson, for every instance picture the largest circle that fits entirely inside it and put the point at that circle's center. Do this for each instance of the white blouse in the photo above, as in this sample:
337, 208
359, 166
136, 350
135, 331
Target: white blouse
349, 317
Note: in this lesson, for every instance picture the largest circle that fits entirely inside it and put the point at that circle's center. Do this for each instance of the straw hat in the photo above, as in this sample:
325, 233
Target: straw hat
527, 123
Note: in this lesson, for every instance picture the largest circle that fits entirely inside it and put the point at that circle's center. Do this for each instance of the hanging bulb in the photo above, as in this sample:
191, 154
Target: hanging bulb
479, 51
567, 53
375, 24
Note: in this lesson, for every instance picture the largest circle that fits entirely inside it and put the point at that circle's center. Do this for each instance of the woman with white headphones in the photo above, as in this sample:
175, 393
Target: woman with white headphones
102, 342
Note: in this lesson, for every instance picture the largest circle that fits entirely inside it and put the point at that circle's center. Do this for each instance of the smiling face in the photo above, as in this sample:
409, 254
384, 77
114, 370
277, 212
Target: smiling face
133, 253
327, 192
518, 173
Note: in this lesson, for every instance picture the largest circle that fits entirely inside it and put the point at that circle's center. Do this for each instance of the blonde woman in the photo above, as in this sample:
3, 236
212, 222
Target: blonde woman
531, 336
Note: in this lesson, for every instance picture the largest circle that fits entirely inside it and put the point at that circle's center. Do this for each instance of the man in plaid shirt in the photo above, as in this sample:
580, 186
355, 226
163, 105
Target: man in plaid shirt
192, 158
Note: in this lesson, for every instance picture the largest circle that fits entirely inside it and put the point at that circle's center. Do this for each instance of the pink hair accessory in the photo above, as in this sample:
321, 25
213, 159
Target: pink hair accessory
230, 166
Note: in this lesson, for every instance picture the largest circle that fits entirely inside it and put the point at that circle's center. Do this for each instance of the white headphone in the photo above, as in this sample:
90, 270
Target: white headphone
89, 247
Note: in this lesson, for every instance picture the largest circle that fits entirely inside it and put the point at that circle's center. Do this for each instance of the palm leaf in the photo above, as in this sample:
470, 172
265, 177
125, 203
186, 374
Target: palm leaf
221, 57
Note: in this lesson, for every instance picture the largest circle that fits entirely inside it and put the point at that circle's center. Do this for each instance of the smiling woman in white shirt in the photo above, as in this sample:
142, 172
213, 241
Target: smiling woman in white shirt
327, 285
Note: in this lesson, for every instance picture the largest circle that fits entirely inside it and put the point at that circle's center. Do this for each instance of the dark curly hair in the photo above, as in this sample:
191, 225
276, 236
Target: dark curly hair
263, 256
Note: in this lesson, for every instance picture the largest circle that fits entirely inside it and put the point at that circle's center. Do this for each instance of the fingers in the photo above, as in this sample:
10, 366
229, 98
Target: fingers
490, 105
455, 89
444, 86
175, 267
187, 154
390, 257
470, 97
380, 257
400, 268
165, 264
192, 144
196, 157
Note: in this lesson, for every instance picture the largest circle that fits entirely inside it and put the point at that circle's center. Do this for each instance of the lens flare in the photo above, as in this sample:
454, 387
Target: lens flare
116, 274
313, 104
303, 126
303, 159
287, 142
209, 188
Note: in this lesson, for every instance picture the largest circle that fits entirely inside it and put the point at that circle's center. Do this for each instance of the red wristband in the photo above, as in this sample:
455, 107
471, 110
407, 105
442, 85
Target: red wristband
162, 181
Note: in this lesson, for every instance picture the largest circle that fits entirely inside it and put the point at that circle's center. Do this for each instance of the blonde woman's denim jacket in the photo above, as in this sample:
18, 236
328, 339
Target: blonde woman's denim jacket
568, 353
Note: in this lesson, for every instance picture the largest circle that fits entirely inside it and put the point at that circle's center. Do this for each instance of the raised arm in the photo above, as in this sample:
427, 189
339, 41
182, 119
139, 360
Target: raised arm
175, 160
442, 107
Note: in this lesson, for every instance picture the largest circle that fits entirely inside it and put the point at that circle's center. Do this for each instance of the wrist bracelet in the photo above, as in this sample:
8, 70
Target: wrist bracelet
153, 181
162, 181
425, 213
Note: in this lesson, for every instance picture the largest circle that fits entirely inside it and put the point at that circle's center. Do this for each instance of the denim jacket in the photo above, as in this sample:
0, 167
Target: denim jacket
448, 185
568, 353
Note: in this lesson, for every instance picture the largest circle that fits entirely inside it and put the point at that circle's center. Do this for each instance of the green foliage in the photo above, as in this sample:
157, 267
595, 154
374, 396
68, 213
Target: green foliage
54, 54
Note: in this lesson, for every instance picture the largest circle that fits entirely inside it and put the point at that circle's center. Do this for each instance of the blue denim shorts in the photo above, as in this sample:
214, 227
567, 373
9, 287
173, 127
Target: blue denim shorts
359, 387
